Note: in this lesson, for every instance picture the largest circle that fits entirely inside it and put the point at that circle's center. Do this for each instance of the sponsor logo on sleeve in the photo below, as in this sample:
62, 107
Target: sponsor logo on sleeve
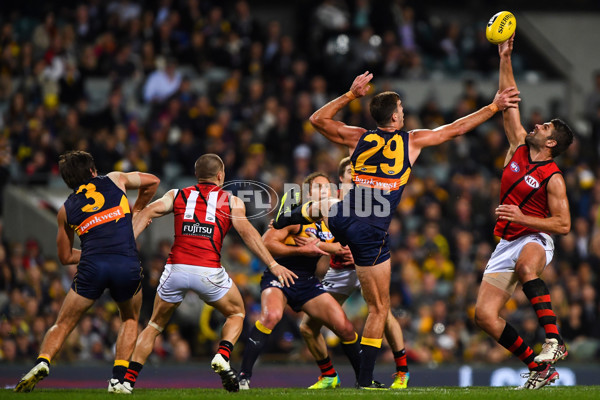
197, 229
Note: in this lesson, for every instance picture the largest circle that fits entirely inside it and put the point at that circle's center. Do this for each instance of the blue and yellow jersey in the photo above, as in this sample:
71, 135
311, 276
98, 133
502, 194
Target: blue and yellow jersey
99, 213
303, 266
380, 170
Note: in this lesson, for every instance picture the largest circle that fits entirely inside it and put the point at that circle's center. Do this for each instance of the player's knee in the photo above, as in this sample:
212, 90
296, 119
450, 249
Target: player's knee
271, 318
483, 318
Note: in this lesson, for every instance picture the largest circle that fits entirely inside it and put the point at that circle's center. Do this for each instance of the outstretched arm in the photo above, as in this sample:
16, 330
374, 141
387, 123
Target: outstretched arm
515, 132
421, 138
252, 238
559, 221
157, 209
146, 183
336, 131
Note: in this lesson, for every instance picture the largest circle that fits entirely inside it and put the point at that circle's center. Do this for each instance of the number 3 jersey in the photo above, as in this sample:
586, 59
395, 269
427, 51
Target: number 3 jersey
380, 170
99, 213
202, 219
524, 184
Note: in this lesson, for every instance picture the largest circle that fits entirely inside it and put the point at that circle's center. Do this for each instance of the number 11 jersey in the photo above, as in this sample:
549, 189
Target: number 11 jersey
202, 218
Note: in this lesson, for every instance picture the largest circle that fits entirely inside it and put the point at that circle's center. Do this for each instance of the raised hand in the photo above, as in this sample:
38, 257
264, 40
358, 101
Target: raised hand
360, 86
505, 48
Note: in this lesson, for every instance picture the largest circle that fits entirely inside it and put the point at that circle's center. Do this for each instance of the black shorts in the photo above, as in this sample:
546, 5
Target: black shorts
303, 290
119, 274
368, 244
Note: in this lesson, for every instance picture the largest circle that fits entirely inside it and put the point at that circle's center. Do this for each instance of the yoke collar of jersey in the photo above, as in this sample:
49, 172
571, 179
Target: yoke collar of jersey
536, 162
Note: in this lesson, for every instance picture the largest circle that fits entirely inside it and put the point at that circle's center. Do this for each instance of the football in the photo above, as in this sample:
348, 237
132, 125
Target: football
500, 27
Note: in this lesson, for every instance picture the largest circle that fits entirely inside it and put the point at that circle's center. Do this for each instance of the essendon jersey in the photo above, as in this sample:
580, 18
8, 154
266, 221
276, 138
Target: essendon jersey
524, 184
202, 218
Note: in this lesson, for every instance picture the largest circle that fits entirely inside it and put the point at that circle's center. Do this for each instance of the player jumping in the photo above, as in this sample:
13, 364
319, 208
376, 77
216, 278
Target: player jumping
533, 204
341, 282
382, 160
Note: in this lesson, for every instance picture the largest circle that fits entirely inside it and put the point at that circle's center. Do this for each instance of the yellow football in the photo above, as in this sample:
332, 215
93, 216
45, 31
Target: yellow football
500, 27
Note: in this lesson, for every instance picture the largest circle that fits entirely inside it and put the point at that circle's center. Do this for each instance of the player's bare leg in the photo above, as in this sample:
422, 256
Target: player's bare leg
272, 304
69, 315
393, 334
325, 309
529, 268
130, 314
375, 283
490, 301
161, 314
232, 307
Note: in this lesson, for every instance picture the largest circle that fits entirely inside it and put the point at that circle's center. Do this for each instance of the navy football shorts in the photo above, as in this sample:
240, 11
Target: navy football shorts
303, 290
121, 275
368, 244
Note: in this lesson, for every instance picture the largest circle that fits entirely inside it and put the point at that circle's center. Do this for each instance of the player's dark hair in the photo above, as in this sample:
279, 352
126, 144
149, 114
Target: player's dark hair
208, 166
76, 167
382, 106
563, 136
342, 167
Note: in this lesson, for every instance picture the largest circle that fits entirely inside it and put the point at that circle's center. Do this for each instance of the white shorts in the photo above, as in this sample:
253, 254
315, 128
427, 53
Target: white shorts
505, 257
210, 284
342, 281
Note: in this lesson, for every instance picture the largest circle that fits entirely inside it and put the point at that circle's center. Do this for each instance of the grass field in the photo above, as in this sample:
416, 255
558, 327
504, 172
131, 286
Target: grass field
560, 392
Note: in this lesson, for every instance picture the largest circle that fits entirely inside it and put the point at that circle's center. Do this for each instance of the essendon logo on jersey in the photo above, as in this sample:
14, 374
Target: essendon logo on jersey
514, 167
197, 229
531, 181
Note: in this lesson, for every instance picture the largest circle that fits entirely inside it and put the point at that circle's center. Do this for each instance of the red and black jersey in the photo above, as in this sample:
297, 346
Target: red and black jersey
524, 184
202, 219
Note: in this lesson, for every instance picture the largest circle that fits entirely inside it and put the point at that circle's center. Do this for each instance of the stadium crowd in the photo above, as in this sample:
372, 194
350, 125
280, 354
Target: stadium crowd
258, 86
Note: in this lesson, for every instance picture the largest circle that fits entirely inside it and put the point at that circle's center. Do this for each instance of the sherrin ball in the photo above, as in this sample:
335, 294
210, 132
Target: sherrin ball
500, 27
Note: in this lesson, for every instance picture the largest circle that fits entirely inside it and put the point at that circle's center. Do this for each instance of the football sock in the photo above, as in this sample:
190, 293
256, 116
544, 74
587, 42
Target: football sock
225, 349
132, 372
400, 358
511, 340
539, 297
120, 369
256, 342
369, 348
326, 367
293, 216
352, 351
43, 358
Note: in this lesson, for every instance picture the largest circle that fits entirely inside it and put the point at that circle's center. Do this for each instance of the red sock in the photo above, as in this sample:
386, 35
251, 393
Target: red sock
327, 368
400, 358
